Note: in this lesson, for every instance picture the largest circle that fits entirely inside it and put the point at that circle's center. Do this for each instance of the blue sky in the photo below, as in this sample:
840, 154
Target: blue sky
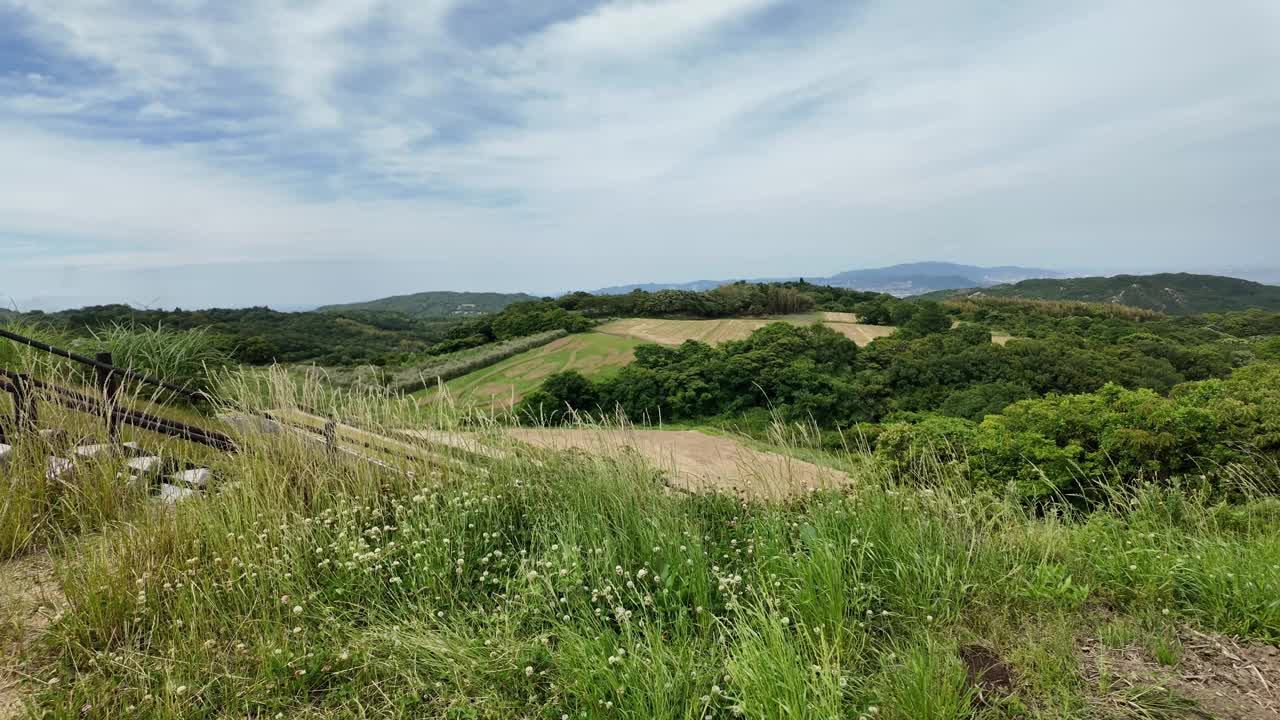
194, 153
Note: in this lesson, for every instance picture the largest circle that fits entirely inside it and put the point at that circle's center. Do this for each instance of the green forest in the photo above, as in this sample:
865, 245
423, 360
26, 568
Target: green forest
1082, 391
435, 305
1172, 293
259, 335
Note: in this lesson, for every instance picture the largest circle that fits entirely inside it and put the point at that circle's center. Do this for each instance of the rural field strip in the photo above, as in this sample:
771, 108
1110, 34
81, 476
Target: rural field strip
674, 332
691, 460
696, 461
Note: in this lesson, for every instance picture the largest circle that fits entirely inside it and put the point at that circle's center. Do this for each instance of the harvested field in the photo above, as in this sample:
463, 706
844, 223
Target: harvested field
713, 332
859, 333
698, 462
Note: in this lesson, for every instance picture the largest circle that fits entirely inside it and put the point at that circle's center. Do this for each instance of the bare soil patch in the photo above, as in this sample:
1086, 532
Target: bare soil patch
1225, 678
29, 598
986, 673
861, 334
698, 462
713, 332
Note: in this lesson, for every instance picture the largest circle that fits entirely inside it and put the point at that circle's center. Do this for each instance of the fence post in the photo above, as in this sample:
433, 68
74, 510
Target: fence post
331, 434
109, 385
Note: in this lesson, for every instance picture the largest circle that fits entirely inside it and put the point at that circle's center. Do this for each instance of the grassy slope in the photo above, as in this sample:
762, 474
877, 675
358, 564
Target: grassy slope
547, 586
1173, 293
435, 304
592, 354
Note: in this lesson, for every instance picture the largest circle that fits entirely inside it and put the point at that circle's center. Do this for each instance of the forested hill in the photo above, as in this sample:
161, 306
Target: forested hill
437, 304
1172, 293
259, 335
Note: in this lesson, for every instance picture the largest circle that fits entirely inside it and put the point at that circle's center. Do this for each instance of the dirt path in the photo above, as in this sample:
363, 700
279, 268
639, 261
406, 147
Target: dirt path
1227, 679
29, 598
698, 462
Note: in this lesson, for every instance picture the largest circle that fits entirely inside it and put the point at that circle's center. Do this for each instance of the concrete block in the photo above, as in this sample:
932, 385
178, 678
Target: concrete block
173, 493
145, 464
58, 467
193, 478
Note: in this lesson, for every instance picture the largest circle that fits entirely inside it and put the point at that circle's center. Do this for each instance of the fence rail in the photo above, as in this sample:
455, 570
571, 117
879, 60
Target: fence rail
25, 390
103, 365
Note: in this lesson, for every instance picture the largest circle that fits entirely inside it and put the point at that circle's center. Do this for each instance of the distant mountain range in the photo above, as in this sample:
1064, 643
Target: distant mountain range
901, 280
438, 304
1171, 293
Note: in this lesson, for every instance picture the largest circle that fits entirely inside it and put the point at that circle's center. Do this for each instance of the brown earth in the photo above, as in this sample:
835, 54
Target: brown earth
674, 332
29, 599
861, 334
1226, 679
698, 462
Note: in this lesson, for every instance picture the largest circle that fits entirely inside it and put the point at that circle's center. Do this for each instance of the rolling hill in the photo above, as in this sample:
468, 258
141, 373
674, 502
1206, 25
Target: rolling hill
902, 280
1172, 293
440, 304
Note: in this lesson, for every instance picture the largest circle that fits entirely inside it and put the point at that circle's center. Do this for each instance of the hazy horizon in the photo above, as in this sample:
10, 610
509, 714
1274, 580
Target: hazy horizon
253, 153
164, 285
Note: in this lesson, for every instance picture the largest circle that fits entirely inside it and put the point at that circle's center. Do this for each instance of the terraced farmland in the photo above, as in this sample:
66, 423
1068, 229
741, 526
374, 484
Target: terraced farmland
592, 354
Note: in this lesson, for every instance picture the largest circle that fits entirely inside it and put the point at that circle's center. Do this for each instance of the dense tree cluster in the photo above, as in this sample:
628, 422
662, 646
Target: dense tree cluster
1087, 396
260, 335
740, 299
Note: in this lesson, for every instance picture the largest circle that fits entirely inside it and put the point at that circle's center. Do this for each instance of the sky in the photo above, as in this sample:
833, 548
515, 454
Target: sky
186, 153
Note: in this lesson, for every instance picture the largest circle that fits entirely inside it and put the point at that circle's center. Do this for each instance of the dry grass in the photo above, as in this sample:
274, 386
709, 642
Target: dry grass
714, 332
695, 461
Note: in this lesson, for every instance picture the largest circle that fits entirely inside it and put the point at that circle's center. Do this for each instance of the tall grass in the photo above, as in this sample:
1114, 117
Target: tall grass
37, 507
539, 585
187, 358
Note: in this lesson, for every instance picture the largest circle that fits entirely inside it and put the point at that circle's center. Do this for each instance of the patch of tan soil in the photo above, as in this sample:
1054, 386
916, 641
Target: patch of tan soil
674, 332
29, 599
1225, 678
714, 332
860, 334
698, 462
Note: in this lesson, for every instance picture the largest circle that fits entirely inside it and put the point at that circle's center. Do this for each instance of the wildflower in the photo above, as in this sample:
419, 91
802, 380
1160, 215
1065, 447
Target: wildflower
181, 689
528, 671
297, 609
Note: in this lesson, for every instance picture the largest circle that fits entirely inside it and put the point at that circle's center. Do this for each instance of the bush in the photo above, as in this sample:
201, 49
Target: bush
188, 358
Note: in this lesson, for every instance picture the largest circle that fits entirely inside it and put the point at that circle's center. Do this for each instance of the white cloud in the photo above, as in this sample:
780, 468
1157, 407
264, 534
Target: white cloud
708, 130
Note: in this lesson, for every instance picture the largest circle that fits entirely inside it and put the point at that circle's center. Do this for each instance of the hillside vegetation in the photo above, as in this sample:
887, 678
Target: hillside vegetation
261, 335
435, 305
531, 584
1170, 293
